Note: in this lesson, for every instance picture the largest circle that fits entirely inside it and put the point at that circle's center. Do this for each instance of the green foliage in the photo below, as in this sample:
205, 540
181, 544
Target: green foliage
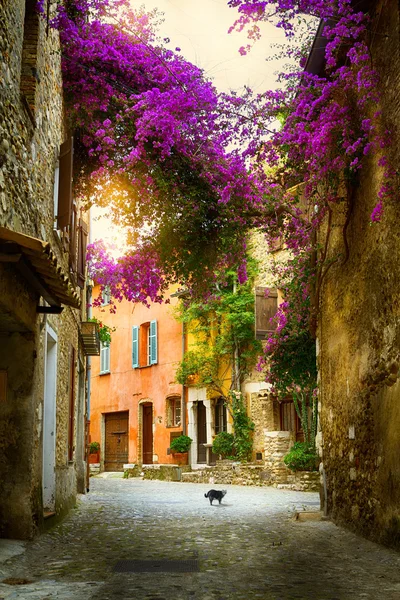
94, 447
294, 362
302, 457
104, 331
223, 444
243, 428
181, 443
202, 365
223, 327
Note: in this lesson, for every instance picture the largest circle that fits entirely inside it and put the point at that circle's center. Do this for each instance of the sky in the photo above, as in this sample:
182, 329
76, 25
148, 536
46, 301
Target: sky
200, 29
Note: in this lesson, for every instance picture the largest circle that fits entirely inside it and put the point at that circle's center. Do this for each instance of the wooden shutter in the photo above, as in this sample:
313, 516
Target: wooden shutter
135, 347
266, 307
72, 238
71, 404
82, 243
65, 185
153, 342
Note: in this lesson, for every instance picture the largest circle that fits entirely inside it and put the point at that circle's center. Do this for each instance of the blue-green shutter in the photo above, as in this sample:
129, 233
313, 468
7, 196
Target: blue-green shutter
135, 346
153, 342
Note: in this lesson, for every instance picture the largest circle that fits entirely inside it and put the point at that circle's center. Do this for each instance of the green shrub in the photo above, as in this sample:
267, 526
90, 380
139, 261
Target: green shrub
94, 447
223, 444
302, 457
181, 443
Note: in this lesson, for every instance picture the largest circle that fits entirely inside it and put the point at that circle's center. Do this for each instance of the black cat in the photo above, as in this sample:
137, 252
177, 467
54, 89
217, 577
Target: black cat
215, 495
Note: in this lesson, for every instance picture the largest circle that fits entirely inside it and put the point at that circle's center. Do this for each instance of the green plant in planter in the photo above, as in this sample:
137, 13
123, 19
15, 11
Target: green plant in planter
223, 444
104, 331
181, 444
302, 457
94, 447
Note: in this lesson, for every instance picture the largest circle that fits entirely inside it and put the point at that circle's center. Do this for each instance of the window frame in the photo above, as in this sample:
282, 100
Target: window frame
105, 349
220, 414
174, 403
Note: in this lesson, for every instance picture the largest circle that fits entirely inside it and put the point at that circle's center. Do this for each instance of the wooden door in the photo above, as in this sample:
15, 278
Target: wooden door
147, 434
201, 433
116, 454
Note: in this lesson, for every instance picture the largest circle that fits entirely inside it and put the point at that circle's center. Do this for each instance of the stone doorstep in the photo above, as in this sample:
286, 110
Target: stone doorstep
309, 515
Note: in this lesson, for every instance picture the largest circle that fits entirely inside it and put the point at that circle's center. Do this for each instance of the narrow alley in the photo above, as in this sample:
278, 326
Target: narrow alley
248, 547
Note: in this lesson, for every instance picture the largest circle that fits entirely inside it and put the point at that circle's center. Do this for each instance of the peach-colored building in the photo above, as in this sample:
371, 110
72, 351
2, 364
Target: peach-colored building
136, 406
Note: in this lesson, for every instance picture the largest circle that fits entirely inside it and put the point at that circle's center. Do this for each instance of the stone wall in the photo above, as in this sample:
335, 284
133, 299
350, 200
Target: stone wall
32, 127
359, 334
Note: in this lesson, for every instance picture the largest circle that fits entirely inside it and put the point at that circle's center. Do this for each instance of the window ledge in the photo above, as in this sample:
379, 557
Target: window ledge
105, 373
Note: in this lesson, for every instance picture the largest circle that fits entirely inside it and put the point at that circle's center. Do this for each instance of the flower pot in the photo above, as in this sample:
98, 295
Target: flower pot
181, 458
94, 458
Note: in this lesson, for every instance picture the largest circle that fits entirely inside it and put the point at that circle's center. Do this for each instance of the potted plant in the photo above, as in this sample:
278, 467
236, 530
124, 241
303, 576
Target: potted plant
180, 448
94, 452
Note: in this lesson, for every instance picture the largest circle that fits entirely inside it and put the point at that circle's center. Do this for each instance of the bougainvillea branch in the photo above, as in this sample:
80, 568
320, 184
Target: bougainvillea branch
188, 171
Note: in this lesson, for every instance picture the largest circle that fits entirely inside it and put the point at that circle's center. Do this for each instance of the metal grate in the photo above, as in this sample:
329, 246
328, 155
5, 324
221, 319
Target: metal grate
157, 566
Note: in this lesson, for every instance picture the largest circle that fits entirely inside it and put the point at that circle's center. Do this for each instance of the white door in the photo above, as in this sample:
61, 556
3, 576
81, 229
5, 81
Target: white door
49, 421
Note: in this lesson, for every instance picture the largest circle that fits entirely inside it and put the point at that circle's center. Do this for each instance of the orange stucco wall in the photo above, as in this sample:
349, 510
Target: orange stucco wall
125, 388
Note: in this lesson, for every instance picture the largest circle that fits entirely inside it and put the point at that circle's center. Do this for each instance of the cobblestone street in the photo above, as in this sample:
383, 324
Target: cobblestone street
249, 547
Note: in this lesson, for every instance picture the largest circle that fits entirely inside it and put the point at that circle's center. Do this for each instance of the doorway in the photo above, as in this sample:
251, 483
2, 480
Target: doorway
116, 437
147, 425
49, 422
201, 433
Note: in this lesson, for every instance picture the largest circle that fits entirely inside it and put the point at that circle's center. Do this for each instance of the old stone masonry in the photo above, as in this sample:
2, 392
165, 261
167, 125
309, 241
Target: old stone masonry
250, 546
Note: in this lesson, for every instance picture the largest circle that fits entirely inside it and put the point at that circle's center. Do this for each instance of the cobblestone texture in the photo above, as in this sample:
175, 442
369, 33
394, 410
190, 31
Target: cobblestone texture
249, 547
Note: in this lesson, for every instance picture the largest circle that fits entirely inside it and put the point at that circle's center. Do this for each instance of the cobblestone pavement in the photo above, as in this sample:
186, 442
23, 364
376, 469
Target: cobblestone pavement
249, 547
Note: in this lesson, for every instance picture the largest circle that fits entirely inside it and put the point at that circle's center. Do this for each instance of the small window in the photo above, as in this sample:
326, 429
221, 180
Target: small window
106, 296
104, 359
220, 416
174, 412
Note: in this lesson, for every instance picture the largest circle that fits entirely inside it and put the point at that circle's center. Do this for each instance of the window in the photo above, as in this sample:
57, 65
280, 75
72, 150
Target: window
29, 72
104, 359
144, 345
220, 416
174, 411
265, 307
106, 296
64, 189
82, 243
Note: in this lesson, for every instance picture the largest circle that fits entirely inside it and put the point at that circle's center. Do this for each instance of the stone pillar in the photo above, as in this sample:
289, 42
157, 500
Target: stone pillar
277, 444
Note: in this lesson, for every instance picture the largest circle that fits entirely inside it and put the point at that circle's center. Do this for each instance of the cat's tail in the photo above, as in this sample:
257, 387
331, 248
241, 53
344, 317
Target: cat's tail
206, 495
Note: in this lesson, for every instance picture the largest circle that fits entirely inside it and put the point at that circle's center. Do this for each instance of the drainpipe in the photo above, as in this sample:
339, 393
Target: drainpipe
183, 400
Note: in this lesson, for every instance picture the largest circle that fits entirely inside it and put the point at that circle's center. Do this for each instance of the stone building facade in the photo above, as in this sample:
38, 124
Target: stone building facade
359, 332
42, 283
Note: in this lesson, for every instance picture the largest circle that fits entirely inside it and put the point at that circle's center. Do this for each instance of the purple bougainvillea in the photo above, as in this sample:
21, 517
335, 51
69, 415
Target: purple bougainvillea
188, 171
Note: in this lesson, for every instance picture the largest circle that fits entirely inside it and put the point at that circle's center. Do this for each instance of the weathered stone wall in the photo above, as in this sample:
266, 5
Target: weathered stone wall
32, 127
359, 334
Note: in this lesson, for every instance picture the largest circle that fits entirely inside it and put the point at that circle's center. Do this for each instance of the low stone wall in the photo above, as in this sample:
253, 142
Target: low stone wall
272, 472
228, 472
160, 472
